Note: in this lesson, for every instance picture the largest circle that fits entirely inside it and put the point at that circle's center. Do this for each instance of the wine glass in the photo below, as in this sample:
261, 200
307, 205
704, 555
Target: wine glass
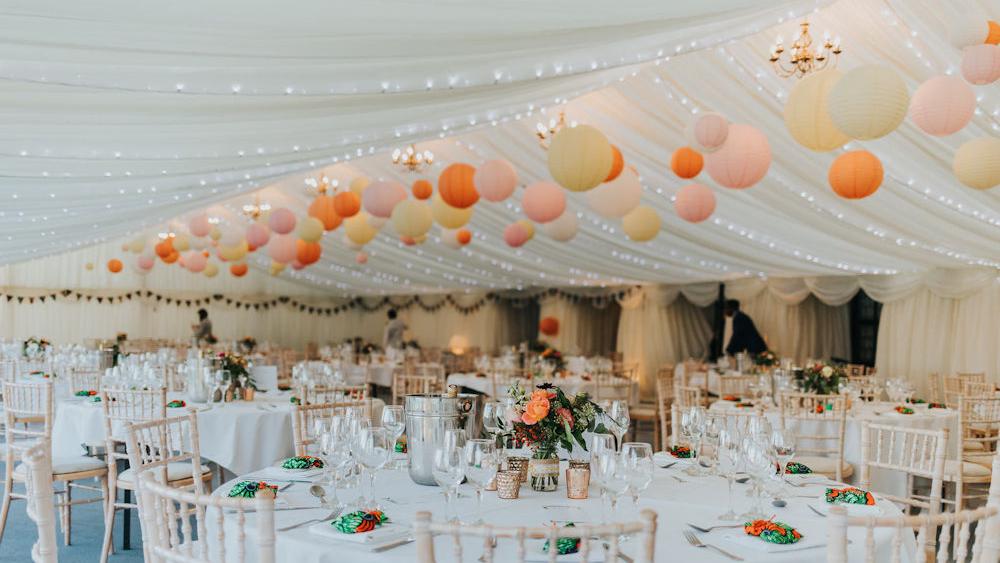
783, 448
336, 451
393, 420
637, 458
370, 448
493, 421
760, 465
600, 443
713, 426
618, 413
729, 460
614, 476
693, 425
449, 468
480, 468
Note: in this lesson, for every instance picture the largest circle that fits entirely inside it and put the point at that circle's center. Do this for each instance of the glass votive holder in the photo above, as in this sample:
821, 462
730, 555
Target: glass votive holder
519, 464
578, 482
579, 464
508, 484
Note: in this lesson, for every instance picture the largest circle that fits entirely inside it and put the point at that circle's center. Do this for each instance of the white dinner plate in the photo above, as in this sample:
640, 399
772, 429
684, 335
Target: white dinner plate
852, 509
741, 541
386, 534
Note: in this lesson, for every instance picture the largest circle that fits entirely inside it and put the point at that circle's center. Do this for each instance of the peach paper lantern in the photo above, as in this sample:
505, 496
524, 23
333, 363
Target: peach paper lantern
307, 252
114, 265
238, 270
743, 160
617, 164
457, 187
463, 236
422, 189
580, 158
543, 202
495, 180
981, 64
145, 262
449, 238
806, 115
281, 221
942, 105
194, 261
257, 235
181, 242
642, 223
447, 216
549, 326
282, 248
347, 204
515, 235
563, 228
358, 230
324, 209
707, 132
199, 225
361, 258
412, 218
695, 203
868, 102
616, 198
381, 197
855, 174
977, 163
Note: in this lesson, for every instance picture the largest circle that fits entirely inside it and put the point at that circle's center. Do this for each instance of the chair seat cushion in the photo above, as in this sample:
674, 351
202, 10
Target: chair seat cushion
826, 466
982, 458
175, 472
969, 470
62, 465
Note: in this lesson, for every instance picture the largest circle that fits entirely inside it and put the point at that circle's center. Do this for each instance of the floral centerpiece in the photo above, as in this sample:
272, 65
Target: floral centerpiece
546, 420
549, 355
248, 344
766, 359
34, 347
237, 367
820, 378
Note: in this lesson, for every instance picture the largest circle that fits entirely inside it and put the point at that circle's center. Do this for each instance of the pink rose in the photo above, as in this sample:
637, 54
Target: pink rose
565, 415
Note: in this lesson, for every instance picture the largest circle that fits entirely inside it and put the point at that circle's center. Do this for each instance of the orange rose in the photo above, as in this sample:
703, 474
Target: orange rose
537, 409
527, 419
539, 395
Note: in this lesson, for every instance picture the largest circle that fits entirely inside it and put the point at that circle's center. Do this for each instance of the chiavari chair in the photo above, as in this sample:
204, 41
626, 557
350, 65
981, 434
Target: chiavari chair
664, 400
867, 386
304, 416
404, 384
736, 385
979, 433
824, 446
316, 394
685, 397
84, 380
38, 488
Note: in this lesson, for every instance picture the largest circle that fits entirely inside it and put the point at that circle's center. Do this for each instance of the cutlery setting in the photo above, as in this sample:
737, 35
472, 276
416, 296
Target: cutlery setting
693, 540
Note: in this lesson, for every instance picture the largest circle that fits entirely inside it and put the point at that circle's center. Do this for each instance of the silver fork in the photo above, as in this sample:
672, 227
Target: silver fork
813, 508
710, 528
330, 516
693, 540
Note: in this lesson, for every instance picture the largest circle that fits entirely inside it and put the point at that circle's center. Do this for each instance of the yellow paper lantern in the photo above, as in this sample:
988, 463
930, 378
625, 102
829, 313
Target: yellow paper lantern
137, 245
214, 234
447, 216
529, 227
234, 253
310, 229
806, 115
359, 184
977, 163
641, 224
181, 243
868, 102
211, 270
412, 218
580, 158
358, 230
277, 268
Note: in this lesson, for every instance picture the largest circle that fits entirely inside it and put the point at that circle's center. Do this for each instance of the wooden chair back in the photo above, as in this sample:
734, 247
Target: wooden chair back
304, 416
404, 384
38, 484
829, 415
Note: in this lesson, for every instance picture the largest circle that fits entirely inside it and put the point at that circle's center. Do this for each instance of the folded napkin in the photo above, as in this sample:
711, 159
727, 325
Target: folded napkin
903, 410
682, 452
176, 404
359, 521
772, 531
849, 495
913, 401
937, 406
731, 398
564, 546
794, 468
86, 393
303, 462
250, 489
387, 533
277, 473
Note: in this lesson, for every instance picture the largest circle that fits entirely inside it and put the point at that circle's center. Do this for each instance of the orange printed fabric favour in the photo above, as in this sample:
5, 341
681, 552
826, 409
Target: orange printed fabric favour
772, 532
849, 495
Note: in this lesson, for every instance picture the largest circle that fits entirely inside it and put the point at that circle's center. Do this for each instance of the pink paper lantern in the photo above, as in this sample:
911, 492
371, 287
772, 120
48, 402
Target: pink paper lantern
743, 159
282, 249
380, 198
543, 202
361, 258
296, 265
495, 180
942, 105
695, 203
981, 64
708, 132
199, 225
257, 235
515, 235
281, 221
231, 236
145, 263
195, 261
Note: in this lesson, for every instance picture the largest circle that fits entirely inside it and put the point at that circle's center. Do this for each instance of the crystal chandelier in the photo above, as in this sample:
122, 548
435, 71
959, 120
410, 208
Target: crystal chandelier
256, 209
803, 59
545, 132
412, 159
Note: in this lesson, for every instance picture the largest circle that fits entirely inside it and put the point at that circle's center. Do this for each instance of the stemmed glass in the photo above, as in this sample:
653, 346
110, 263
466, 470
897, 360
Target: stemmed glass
637, 458
712, 428
729, 460
783, 448
480, 468
692, 426
599, 444
618, 413
370, 448
394, 422
336, 452
760, 464
493, 421
614, 476
449, 468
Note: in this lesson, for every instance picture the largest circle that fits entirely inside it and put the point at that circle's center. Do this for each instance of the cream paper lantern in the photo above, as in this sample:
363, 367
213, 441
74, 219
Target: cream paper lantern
181, 242
806, 115
564, 228
234, 253
580, 158
412, 218
868, 102
211, 270
377, 222
614, 199
351, 244
447, 216
359, 184
358, 230
310, 229
977, 163
136, 246
642, 224
215, 233
277, 268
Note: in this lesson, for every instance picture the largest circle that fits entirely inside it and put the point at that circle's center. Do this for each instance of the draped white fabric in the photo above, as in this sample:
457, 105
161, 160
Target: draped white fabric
583, 328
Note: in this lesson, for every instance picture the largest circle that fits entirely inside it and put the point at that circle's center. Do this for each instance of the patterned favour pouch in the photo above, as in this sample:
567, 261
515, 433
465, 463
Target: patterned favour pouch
303, 462
250, 489
772, 531
176, 404
680, 452
85, 393
564, 546
849, 495
903, 410
359, 521
794, 468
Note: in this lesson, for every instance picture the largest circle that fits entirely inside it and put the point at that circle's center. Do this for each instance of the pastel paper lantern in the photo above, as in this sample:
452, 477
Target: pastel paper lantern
967, 29
868, 102
307, 252
199, 225
381, 197
463, 236
457, 187
447, 216
258, 235
238, 270
358, 230
543, 202
994, 35
981, 64
194, 261
181, 242
806, 115
136, 246
617, 164
164, 247
172, 257
977, 163
324, 208
686, 162
563, 228
310, 229
277, 268
528, 227
231, 236
412, 218
549, 326
114, 265
614, 199
495, 180
358, 186
361, 258
422, 189
580, 158
89, 266
449, 238
377, 222
234, 253
347, 204
942, 105
211, 270
281, 221
515, 235
145, 262
642, 223
855, 174
707, 132
215, 233
694, 203
743, 160
282, 248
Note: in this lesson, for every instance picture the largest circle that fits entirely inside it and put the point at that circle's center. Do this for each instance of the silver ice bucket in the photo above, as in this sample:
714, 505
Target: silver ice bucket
427, 419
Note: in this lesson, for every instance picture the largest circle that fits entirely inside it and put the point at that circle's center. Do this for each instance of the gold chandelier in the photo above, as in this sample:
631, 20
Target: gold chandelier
803, 58
545, 132
256, 209
412, 159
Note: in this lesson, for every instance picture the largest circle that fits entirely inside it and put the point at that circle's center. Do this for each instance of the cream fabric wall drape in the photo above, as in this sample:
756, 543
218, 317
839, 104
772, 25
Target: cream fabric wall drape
583, 328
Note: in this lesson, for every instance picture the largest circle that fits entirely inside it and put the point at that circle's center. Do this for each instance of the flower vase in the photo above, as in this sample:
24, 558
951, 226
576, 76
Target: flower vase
543, 474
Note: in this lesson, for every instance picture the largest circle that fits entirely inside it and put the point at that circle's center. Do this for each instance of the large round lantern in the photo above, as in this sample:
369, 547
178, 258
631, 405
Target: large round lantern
616, 198
942, 105
412, 218
114, 265
694, 203
549, 326
136, 245
347, 204
707, 132
359, 185
855, 174
324, 208
195, 261
257, 235
580, 158
456, 186
310, 229
281, 221
238, 270
463, 236
686, 162
743, 160
181, 242
307, 252
977, 163
447, 216
495, 180
199, 225
641, 224
563, 228
543, 202
516, 235
282, 248
449, 238
145, 262
381, 197
358, 230
806, 115
868, 102
233, 253
981, 64
211, 270
422, 189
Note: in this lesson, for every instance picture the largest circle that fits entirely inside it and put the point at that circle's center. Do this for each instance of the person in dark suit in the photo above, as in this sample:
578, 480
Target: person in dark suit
745, 337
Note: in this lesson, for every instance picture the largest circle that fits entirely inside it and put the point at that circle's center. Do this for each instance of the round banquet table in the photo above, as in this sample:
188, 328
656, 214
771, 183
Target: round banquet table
697, 500
570, 385
377, 374
239, 436
880, 413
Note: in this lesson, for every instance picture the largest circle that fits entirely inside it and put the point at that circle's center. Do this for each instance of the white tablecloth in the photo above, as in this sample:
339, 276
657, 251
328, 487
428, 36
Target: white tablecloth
570, 385
697, 500
378, 374
238, 436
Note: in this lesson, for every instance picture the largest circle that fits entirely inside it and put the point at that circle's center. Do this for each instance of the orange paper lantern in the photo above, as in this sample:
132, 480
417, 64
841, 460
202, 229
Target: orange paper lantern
422, 189
164, 248
994, 37
855, 174
114, 265
238, 270
686, 162
463, 236
549, 326
307, 252
346, 204
325, 209
455, 186
617, 164
172, 257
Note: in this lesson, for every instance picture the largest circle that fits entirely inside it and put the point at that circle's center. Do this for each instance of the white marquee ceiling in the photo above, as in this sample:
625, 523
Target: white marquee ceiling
120, 118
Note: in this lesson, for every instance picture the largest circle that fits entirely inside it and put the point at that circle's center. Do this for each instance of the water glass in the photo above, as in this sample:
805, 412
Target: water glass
480, 468
783, 449
394, 421
370, 449
618, 413
728, 463
599, 444
637, 458
449, 468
